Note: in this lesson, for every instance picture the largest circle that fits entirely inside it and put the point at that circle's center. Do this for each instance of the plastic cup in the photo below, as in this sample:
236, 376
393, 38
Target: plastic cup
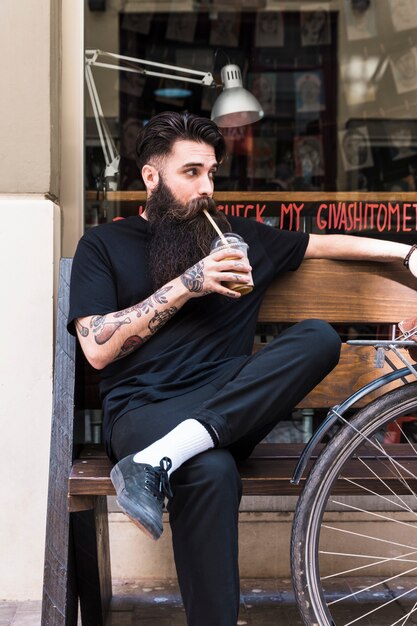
236, 242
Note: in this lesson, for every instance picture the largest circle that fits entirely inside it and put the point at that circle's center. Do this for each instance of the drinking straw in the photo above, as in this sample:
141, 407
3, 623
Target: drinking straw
216, 228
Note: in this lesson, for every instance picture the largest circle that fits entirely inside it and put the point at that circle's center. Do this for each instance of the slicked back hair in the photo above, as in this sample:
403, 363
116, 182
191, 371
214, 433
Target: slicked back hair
156, 139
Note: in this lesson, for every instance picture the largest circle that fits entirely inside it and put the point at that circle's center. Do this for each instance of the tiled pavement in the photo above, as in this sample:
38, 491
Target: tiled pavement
149, 603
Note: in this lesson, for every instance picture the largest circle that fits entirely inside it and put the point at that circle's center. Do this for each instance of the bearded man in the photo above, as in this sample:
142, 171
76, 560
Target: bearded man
183, 397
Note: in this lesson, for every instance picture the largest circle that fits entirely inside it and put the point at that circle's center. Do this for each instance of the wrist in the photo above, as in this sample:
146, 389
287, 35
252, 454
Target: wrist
411, 251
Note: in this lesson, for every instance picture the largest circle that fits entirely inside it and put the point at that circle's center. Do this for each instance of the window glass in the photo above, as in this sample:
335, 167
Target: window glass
337, 81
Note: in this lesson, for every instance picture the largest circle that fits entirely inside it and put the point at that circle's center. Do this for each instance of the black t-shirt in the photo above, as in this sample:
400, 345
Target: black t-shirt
205, 339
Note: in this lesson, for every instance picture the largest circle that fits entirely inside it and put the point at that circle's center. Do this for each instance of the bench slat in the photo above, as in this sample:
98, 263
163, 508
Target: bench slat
267, 472
342, 292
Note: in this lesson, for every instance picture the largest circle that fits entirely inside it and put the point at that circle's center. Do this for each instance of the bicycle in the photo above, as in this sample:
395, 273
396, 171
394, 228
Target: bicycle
343, 574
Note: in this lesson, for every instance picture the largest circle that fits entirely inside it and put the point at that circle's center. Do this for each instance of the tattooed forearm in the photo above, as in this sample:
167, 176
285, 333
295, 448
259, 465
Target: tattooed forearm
130, 345
83, 330
148, 304
159, 296
193, 278
159, 319
104, 329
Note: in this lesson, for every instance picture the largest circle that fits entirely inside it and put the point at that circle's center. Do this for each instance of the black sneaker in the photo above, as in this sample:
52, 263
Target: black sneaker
141, 491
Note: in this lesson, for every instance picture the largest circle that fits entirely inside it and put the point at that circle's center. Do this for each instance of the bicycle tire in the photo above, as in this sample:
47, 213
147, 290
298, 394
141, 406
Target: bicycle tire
309, 552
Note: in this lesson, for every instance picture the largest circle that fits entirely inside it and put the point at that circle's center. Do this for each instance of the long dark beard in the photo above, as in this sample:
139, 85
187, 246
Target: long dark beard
182, 234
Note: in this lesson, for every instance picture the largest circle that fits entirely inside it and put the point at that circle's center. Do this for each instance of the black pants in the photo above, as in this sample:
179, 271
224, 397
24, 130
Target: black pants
207, 489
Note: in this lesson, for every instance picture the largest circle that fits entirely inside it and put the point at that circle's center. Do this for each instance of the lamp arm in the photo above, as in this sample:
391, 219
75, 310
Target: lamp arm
107, 143
205, 78
108, 146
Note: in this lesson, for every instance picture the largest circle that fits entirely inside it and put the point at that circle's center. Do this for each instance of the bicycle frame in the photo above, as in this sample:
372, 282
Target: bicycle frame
338, 410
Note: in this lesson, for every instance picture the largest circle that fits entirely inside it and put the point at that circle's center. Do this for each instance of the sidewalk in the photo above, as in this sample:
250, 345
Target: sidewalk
265, 602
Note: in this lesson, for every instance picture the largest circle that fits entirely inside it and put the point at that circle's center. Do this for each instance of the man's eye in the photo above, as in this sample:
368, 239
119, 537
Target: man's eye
213, 175
191, 172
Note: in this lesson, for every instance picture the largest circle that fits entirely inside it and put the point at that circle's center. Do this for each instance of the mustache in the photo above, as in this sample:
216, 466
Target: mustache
191, 211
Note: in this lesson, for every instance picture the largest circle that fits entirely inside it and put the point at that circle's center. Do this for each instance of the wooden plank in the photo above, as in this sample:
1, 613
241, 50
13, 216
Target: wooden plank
60, 602
342, 292
267, 472
88, 583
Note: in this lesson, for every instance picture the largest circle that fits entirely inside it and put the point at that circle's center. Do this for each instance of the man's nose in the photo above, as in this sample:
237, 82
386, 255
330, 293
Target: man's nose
205, 186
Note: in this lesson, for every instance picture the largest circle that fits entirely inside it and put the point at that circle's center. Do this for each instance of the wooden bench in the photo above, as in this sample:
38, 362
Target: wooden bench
77, 561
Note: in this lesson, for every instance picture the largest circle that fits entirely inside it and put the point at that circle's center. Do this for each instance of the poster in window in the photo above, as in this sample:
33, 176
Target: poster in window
225, 29
402, 139
360, 20
404, 70
403, 14
269, 29
315, 27
308, 156
309, 91
181, 26
261, 163
263, 87
355, 148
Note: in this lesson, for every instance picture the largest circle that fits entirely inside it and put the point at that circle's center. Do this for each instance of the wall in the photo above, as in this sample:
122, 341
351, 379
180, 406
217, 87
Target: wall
29, 247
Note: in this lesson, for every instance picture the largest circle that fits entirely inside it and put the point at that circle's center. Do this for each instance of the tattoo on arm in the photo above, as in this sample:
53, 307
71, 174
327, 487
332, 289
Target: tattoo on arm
148, 304
193, 278
83, 330
130, 345
159, 319
104, 329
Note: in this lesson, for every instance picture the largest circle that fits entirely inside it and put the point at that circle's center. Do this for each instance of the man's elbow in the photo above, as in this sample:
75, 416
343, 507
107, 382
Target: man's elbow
97, 363
96, 358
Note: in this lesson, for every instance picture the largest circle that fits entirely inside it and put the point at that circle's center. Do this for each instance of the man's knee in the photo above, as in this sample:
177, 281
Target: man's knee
322, 341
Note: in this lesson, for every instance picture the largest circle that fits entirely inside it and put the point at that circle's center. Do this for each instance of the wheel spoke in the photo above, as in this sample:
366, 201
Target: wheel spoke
396, 463
363, 536
404, 619
381, 560
381, 606
337, 578
404, 506
373, 514
369, 587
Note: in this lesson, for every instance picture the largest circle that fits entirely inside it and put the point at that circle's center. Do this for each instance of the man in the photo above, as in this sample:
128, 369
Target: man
182, 395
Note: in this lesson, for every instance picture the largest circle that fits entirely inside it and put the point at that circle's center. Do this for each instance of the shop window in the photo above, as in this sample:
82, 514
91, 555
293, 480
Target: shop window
337, 82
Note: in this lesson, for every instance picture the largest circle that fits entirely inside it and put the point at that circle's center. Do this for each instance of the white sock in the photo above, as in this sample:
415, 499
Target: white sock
180, 444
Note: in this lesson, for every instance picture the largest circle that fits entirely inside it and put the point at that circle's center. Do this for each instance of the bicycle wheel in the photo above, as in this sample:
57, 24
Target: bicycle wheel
354, 558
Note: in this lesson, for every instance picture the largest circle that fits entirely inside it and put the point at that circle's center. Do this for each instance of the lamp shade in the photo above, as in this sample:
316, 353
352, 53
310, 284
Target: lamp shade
235, 106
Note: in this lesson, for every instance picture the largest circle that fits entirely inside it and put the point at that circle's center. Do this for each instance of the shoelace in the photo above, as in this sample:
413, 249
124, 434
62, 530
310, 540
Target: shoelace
157, 479
165, 465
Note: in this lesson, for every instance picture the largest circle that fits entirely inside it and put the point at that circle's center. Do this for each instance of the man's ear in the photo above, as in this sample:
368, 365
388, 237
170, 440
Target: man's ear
150, 177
